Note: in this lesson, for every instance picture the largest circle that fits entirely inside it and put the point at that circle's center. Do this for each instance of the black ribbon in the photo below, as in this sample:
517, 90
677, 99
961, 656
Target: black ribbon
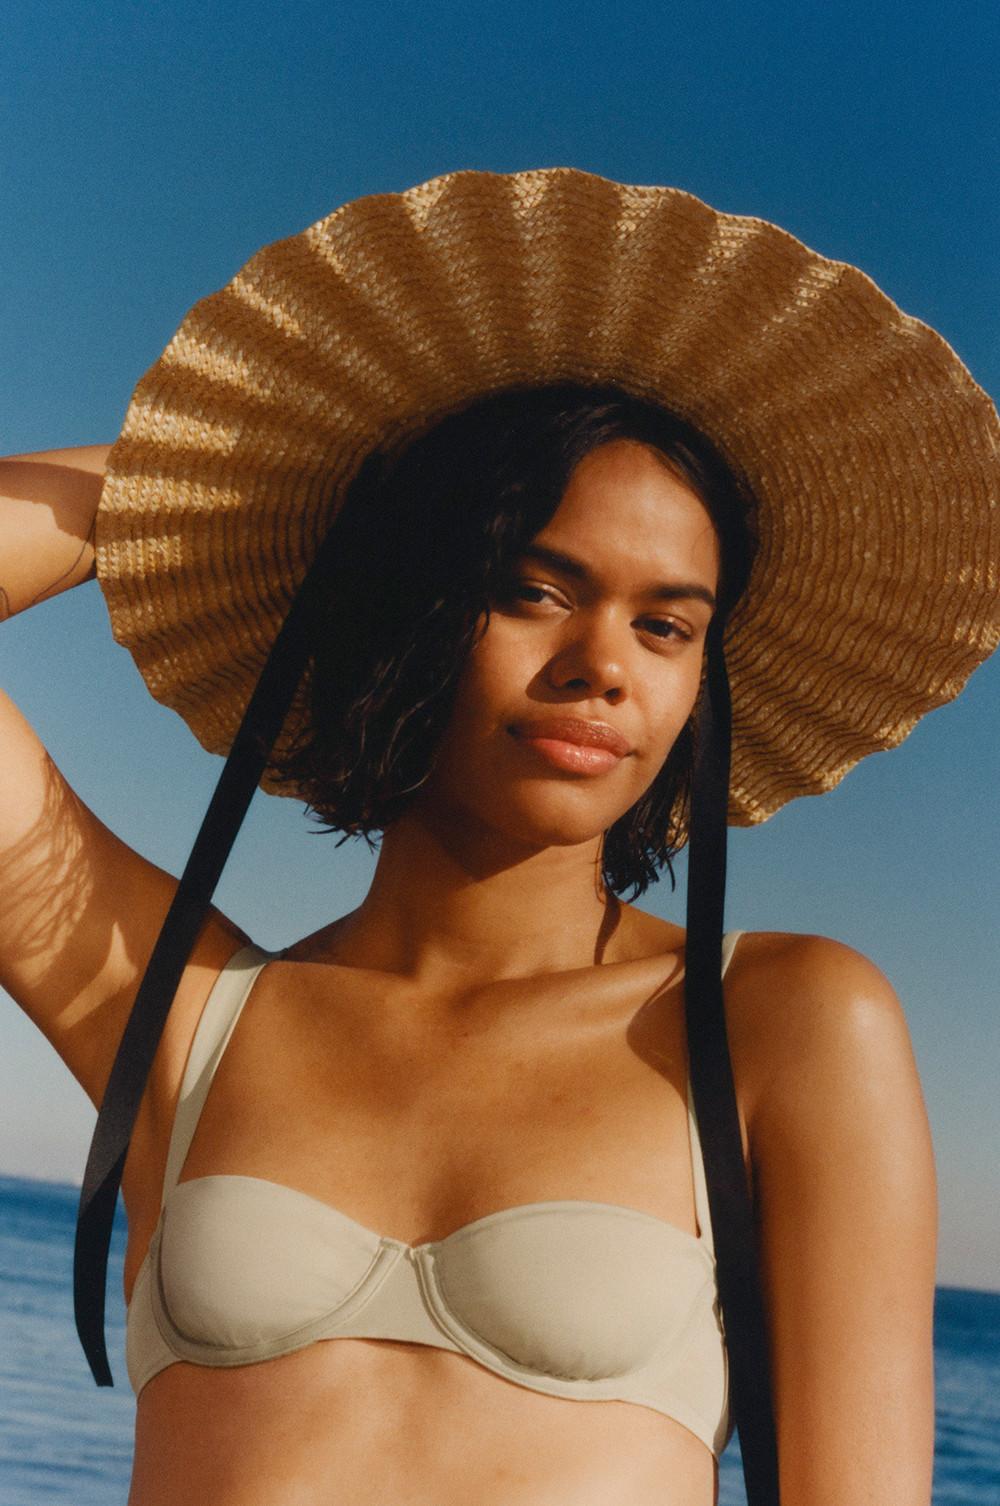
261, 725
733, 1232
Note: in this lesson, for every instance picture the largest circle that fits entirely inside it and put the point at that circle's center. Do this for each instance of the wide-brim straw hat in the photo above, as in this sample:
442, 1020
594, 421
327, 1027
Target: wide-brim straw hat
871, 450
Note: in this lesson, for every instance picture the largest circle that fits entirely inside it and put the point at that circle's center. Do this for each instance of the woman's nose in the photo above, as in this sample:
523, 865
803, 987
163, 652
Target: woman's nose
592, 659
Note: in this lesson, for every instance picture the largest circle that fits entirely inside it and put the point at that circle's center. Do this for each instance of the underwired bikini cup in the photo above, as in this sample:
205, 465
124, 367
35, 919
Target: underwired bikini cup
585, 1300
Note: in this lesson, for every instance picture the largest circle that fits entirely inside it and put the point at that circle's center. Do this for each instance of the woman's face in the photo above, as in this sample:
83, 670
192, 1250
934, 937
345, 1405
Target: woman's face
605, 621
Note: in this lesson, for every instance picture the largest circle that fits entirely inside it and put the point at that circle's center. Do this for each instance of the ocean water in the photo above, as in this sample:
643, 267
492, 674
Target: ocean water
63, 1440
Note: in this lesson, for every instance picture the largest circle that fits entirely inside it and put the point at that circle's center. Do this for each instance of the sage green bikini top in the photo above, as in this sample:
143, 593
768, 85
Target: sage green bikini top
590, 1301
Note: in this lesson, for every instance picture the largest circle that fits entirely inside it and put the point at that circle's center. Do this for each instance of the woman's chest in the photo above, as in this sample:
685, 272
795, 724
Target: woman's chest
416, 1120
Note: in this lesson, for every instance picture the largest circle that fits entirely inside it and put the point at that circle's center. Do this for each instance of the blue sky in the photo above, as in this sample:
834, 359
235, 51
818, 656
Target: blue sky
147, 151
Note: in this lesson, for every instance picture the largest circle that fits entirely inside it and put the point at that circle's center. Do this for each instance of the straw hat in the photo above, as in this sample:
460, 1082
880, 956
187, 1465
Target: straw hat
873, 453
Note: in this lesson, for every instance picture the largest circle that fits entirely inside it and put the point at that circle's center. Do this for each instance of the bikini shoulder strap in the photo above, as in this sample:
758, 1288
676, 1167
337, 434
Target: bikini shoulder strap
211, 1037
701, 1207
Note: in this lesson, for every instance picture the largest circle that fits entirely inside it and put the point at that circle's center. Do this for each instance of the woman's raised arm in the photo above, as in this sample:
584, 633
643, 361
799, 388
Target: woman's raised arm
79, 909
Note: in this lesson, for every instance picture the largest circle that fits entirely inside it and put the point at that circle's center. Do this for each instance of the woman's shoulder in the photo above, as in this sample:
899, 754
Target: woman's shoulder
808, 1008
778, 970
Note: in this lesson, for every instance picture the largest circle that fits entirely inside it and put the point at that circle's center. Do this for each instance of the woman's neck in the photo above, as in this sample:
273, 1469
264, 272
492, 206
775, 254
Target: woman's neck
452, 907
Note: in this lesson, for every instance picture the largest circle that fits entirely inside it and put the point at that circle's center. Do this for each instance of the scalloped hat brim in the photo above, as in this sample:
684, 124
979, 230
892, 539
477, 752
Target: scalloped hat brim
872, 451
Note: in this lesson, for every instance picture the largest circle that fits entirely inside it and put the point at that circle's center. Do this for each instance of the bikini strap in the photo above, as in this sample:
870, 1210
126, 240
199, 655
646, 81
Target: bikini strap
701, 1208
211, 1037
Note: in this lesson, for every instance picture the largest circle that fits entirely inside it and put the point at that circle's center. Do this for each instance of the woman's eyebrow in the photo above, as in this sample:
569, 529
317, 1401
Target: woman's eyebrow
661, 590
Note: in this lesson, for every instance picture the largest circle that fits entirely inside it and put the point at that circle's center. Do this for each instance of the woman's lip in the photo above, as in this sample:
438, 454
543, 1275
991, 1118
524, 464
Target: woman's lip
576, 758
576, 730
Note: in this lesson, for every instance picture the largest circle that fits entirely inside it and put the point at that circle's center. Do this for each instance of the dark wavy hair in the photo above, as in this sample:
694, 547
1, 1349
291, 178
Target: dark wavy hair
429, 533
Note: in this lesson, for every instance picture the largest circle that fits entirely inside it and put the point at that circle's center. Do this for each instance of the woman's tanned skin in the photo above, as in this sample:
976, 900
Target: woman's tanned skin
496, 1034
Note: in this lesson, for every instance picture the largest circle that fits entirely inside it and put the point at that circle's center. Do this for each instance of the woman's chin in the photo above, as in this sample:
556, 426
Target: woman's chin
529, 814
533, 825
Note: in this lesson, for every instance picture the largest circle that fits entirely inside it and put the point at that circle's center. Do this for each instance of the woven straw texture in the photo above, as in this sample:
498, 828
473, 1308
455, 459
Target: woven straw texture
872, 451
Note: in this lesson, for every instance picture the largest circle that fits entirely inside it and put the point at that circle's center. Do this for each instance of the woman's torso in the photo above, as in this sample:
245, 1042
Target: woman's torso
416, 1118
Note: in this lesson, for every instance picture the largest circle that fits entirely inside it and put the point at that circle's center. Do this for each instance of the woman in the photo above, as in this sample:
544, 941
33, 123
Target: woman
454, 1129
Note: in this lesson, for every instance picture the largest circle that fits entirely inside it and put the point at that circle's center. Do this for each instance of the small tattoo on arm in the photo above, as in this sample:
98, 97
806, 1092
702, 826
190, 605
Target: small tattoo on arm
69, 571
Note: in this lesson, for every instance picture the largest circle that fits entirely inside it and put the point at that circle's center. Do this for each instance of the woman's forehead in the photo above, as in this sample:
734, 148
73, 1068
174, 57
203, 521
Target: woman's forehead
624, 509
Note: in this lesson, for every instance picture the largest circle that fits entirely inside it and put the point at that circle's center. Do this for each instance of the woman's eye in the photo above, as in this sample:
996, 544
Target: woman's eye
524, 591
671, 629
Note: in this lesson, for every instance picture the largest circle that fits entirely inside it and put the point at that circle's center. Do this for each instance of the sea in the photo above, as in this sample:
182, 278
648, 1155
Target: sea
64, 1440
